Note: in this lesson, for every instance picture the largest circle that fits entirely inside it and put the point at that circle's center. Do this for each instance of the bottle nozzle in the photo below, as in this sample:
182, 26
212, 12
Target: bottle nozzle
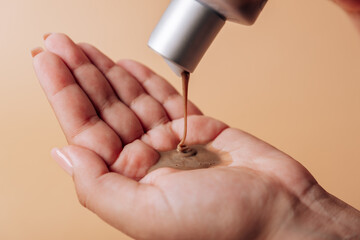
184, 33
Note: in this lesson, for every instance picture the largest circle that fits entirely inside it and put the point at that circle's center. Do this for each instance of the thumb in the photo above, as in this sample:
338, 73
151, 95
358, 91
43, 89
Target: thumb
118, 200
83, 165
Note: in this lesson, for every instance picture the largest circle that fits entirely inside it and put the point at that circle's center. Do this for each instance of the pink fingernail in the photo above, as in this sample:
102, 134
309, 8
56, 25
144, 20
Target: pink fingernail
46, 35
36, 51
63, 160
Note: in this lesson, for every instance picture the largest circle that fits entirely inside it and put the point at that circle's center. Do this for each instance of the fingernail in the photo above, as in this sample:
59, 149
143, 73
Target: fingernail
46, 35
36, 51
63, 160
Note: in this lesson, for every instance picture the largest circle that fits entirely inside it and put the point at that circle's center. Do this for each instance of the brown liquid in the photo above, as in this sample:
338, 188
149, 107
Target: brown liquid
184, 157
202, 158
181, 147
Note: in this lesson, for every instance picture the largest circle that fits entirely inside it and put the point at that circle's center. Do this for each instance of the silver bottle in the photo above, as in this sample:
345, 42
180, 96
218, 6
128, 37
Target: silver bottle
188, 27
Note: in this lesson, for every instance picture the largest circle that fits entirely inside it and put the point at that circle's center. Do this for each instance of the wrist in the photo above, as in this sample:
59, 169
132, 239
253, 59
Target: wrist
319, 215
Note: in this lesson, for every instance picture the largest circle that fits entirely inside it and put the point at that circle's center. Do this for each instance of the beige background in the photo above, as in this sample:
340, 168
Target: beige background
292, 80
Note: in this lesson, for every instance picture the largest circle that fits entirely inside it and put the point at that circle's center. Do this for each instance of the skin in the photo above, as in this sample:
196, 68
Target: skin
352, 7
116, 116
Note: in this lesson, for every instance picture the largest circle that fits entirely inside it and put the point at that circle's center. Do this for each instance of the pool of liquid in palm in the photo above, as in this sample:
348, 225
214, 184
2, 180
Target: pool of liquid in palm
198, 157
187, 157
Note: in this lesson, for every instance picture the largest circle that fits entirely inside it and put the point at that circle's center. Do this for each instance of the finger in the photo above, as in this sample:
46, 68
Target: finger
117, 115
349, 5
36, 51
159, 89
73, 109
135, 160
133, 208
150, 112
201, 130
352, 7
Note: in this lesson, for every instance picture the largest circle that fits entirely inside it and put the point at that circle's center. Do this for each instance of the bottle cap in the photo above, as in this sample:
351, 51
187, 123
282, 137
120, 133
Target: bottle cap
184, 33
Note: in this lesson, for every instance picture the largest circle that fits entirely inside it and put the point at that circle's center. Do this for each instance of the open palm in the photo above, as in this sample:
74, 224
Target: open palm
117, 116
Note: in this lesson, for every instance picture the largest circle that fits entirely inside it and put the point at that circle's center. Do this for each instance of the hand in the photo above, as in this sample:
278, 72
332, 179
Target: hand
117, 116
352, 7
349, 5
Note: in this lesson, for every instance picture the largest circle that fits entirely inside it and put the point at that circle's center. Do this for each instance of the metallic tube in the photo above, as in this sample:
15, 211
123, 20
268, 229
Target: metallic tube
184, 33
